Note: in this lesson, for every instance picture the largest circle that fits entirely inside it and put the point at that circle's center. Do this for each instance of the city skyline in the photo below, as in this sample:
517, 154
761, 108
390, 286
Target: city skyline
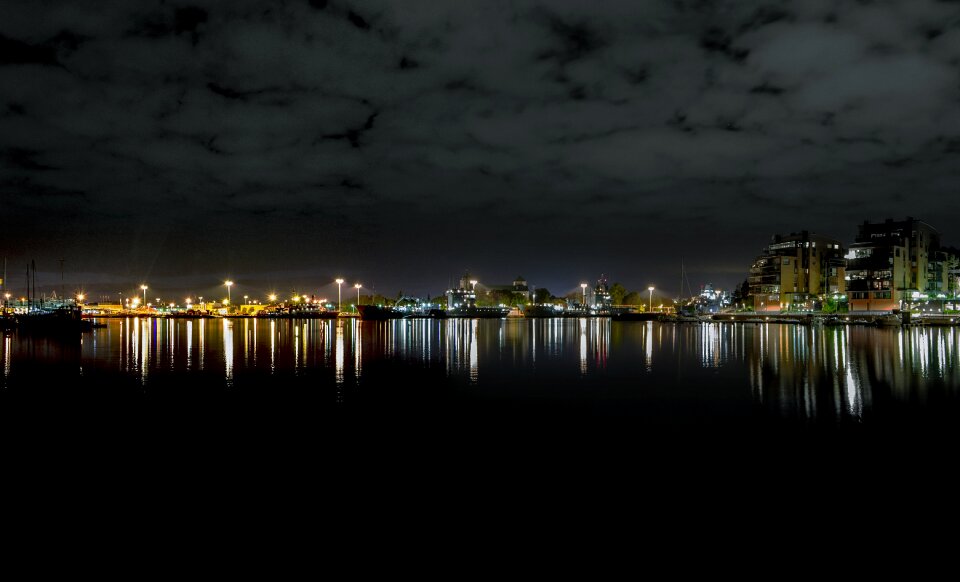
395, 144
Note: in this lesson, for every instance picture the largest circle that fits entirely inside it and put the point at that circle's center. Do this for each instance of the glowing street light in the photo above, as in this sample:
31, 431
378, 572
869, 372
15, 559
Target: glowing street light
229, 284
650, 289
583, 286
473, 284
339, 282
358, 286
80, 297
144, 289
272, 297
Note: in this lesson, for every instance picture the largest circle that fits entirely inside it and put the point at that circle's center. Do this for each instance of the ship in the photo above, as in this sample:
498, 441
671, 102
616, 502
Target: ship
65, 319
462, 302
381, 313
472, 311
542, 311
287, 313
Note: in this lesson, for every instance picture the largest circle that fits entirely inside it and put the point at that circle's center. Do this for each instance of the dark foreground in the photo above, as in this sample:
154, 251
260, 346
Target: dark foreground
628, 392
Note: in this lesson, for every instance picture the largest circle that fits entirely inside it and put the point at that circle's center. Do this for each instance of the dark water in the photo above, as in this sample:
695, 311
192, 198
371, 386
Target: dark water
424, 409
631, 374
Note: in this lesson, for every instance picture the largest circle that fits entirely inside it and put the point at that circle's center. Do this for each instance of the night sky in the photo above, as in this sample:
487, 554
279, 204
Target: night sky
281, 144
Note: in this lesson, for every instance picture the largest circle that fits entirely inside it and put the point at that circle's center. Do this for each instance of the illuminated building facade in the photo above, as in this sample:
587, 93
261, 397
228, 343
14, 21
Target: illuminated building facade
518, 287
464, 295
602, 299
894, 263
796, 271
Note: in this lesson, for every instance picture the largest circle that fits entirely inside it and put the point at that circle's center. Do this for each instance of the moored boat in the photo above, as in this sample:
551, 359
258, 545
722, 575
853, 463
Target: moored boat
888, 320
478, 312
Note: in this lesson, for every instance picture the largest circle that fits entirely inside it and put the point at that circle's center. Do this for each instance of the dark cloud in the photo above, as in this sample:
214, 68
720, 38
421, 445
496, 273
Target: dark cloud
401, 142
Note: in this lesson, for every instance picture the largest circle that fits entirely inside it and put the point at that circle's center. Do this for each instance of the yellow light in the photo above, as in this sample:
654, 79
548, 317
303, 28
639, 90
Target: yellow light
79, 297
189, 301
339, 281
272, 297
143, 287
228, 283
226, 302
358, 285
296, 298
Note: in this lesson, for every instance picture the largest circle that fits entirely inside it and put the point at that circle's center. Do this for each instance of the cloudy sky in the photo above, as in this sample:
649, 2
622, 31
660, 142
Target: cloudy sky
397, 143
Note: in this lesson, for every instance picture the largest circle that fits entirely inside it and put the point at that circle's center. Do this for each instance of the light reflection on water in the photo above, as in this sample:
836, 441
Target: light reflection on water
835, 373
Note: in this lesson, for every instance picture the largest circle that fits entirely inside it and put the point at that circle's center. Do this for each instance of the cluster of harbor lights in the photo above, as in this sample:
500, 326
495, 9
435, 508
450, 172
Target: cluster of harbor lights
222, 306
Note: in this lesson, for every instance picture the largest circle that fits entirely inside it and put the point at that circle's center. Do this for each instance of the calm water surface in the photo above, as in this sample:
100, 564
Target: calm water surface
641, 372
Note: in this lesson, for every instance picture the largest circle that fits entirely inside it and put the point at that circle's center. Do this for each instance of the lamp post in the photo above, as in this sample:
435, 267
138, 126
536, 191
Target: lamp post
6, 300
358, 286
229, 284
583, 287
339, 283
650, 289
144, 289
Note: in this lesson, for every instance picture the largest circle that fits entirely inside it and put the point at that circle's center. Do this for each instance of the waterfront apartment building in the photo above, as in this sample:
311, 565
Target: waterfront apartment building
796, 271
892, 264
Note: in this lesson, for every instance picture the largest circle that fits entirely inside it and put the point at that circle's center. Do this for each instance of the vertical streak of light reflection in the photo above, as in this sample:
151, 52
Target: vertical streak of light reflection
145, 337
6, 356
648, 346
228, 350
474, 357
273, 347
304, 332
339, 360
170, 343
189, 344
246, 342
583, 345
134, 345
357, 348
296, 347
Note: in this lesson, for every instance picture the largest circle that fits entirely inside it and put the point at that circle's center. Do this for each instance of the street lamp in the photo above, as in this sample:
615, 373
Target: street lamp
80, 297
339, 282
272, 297
144, 289
358, 286
583, 286
229, 284
650, 289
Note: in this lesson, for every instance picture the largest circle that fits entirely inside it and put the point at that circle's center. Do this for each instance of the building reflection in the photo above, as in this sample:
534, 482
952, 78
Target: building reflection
819, 374
810, 372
